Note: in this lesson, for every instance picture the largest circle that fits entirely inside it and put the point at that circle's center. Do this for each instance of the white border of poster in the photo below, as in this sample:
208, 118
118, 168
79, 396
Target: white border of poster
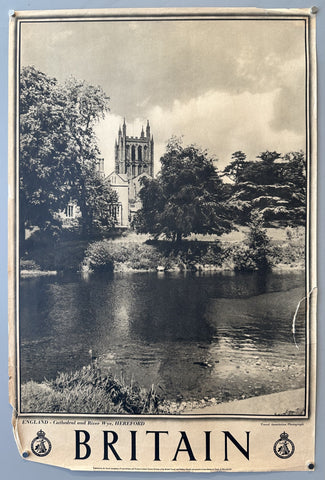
38, 470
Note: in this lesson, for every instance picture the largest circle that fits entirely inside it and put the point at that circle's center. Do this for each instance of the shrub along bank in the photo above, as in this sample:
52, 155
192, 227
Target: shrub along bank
136, 253
190, 255
151, 255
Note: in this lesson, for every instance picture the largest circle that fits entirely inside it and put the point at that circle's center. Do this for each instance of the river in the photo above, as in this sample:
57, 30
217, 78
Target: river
220, 335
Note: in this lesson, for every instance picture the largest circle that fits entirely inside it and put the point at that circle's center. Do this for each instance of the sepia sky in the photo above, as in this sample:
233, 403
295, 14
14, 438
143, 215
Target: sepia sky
225, 85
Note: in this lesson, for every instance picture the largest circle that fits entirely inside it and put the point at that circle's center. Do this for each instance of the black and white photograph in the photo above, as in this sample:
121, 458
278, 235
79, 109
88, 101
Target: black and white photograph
163, 215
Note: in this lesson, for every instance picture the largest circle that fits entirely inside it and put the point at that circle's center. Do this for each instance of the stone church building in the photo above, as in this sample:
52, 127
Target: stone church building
134, 159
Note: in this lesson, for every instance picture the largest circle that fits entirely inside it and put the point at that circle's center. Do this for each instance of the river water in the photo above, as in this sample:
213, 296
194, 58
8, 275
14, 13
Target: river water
220, 335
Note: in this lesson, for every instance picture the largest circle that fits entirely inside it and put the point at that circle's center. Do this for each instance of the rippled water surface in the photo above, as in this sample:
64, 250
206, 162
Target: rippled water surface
219, 335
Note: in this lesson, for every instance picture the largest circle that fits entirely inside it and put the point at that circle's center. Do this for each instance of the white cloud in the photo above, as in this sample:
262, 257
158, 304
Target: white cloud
218, 121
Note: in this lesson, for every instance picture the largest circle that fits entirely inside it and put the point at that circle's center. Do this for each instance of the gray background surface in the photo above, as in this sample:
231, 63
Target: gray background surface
14, 467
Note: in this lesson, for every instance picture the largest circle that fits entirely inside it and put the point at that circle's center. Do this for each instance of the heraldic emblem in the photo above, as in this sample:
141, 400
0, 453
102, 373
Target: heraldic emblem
41, 445
284, 447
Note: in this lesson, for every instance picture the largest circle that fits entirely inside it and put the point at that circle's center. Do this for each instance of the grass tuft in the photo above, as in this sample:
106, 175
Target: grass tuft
88, 391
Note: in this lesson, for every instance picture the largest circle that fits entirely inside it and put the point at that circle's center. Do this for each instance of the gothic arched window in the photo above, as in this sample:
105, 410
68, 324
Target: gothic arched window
133, 153
139, 153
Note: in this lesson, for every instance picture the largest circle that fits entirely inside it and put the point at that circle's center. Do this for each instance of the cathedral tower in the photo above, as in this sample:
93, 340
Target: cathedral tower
134, 155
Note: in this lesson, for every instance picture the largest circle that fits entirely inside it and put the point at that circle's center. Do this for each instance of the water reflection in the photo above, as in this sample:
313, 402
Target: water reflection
192, 335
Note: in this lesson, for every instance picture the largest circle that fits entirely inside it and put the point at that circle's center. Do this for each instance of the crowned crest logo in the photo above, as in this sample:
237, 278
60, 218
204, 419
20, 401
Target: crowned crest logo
41, 446
284, 447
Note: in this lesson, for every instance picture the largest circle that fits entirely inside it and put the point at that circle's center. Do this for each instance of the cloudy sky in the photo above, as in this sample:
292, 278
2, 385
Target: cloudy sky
225, 85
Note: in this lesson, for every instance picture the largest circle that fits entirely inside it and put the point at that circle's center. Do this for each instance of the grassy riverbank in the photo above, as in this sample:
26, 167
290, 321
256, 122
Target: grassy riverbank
62, 256
132, 252
229, 252
88, 391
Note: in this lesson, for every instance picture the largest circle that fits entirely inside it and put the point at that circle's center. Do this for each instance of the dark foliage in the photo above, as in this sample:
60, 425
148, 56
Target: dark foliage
58, 152
187, 196
274, 186
256, 253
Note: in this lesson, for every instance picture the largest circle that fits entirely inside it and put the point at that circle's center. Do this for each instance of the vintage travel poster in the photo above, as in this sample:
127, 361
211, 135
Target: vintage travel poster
162, 253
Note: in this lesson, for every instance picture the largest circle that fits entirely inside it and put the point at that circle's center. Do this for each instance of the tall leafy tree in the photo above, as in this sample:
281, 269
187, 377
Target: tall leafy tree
293, 174
42, 147
273, 185
58, 153
187, 196
84, 106
237, 165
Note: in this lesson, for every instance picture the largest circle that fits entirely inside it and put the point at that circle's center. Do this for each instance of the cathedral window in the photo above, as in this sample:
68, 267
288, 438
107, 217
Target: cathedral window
133, 153
140, 153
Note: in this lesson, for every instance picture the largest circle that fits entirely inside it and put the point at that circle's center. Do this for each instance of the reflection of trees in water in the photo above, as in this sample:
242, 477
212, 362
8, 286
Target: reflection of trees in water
175, 312
60, 318
34, 303
126, 307
180, 316
247, 284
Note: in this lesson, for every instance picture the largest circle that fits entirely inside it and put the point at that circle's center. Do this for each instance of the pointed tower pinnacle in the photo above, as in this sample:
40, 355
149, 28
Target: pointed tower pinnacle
124, 128
148, 129
142, 132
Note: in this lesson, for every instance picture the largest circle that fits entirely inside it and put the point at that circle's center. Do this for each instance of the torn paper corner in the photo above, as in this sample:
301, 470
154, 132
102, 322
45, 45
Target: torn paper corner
15, 424
310, 295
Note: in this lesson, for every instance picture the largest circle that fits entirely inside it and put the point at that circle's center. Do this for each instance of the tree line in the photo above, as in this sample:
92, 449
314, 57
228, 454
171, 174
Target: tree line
59, 158
190, 195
